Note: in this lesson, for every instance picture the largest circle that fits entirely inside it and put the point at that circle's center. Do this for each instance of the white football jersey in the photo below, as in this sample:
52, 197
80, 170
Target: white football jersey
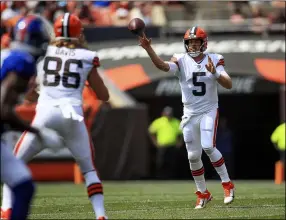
198, 85
62, 73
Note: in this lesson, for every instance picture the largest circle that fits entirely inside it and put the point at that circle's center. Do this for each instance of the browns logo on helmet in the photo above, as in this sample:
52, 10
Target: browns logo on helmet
68, 26
195, 33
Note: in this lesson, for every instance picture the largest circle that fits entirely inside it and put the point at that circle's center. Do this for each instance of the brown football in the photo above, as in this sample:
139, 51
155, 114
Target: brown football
136, 26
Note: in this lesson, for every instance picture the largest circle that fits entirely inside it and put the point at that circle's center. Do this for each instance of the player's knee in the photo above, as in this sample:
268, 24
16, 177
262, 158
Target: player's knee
194, 156
207, 145
209, 150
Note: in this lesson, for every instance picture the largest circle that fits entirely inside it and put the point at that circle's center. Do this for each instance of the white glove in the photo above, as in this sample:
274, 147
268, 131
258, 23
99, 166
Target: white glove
51, 139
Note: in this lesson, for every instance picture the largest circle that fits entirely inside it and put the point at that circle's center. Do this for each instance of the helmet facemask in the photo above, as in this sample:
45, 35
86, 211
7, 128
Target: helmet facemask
196, 53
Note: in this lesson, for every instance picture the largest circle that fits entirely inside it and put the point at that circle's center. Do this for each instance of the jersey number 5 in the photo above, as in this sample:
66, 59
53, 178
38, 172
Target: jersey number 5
66, 75
202, 90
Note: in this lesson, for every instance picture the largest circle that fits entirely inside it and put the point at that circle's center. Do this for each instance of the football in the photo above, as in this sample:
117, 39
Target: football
136, 26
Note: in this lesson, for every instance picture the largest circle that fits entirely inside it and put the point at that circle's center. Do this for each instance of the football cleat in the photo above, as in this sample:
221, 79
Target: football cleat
203, 199
228, 192
5, 214
102, 218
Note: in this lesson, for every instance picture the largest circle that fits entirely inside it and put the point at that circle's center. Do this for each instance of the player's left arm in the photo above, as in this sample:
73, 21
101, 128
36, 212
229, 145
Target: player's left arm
219, 72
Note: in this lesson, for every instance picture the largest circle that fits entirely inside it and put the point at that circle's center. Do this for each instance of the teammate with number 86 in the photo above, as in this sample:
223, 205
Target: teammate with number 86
199, 73
61, 75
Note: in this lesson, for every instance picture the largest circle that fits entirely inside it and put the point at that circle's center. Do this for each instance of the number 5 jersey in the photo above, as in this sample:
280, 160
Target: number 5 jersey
62, 73
198, 85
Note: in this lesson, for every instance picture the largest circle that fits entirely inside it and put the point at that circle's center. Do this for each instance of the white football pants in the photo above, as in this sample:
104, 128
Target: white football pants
74, 133
199, 132
75, 136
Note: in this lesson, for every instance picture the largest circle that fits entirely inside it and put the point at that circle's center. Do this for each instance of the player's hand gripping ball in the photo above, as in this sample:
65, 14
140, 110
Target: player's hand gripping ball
137, 26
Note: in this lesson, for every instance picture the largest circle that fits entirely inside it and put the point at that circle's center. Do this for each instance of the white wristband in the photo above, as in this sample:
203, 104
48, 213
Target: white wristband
217, 75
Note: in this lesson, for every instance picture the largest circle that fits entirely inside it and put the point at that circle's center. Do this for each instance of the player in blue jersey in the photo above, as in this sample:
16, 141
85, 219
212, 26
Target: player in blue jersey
18, 67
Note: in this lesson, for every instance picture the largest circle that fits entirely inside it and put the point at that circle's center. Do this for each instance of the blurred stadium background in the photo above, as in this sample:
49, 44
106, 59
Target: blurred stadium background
249, 34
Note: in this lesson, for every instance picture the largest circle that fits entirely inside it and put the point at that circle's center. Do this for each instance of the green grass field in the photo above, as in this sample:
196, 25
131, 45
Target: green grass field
160, 200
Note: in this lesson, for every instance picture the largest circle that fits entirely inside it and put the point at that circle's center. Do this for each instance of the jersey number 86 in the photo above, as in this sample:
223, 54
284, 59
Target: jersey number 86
66, 75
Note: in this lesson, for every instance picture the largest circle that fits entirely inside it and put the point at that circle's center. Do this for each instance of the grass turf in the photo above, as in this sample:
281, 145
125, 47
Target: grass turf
160, 200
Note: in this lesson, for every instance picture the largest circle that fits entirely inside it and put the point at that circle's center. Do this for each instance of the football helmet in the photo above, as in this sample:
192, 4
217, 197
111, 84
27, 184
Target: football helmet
195, 33
68, 26
31, 34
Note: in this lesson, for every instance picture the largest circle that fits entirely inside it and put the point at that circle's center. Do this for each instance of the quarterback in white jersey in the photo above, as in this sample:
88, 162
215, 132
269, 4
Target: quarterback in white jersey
199, 73
61, 75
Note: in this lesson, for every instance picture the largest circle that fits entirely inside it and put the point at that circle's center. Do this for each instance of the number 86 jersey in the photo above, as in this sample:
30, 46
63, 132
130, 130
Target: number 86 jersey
198, 85
62, 73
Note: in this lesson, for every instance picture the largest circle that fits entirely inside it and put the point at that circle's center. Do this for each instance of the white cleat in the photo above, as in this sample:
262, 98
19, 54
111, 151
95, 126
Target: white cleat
228, 192
203, 199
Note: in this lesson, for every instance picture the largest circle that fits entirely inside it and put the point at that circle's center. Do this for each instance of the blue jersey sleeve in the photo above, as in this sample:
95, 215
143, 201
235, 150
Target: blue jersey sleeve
21, 63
